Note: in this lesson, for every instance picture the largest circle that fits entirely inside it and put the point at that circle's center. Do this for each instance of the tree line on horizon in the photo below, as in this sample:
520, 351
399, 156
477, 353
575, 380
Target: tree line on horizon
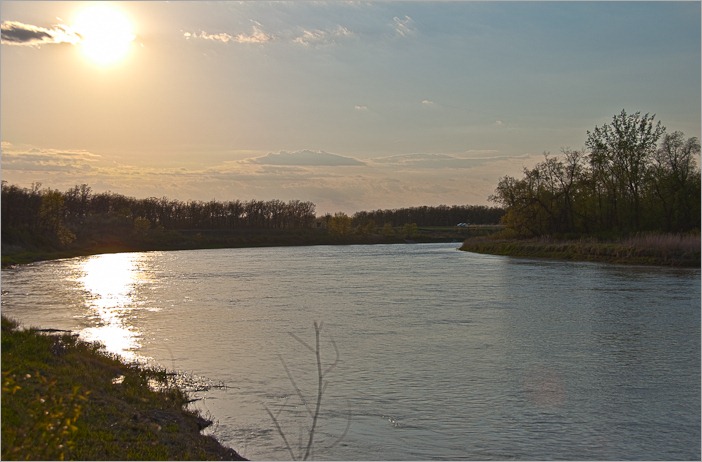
49, 217
631, 177
440, 215
61, 217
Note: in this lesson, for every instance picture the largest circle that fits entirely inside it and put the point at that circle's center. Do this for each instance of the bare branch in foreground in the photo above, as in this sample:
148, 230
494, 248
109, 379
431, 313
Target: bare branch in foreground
321, 388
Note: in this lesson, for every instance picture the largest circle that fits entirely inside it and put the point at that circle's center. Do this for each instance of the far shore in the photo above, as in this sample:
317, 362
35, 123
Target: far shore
670, 250
204, 239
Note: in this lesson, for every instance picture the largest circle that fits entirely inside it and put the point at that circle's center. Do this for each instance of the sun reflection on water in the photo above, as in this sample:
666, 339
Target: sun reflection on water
110, 282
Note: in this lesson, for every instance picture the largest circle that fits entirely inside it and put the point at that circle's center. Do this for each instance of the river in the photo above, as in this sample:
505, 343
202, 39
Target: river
442, 354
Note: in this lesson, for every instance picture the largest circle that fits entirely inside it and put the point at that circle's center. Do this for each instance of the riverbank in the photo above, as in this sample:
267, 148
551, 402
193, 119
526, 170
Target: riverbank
659, 250
64, 399
14, 254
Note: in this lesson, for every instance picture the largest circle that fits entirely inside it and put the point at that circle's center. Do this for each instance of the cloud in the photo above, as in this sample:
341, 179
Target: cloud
322, 37
427, 102
308, 37
403, 26
256, 36
17, 33
499, 122
305, 158
440, 161
467, 177
361, 107
46, 160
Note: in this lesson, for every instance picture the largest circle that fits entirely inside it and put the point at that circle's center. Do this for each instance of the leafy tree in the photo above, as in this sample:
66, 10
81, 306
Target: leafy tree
625, 183
675, 178
388, 230
340, 224
620, 154
409, 230
51, 216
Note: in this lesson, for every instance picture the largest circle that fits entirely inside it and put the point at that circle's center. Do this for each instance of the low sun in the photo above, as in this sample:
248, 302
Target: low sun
106, 34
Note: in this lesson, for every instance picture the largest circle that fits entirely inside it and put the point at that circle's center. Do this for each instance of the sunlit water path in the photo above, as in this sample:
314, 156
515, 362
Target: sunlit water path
443, 354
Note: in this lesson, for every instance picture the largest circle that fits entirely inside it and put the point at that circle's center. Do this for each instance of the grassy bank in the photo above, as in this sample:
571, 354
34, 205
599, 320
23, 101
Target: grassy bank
65, 399
657, 249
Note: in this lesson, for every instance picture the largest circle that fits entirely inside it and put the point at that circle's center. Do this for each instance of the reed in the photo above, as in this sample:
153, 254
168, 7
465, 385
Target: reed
680, 250
665, 243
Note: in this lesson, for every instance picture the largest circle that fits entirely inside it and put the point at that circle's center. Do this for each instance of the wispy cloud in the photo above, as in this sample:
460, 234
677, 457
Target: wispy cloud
442, 161
403, 26
307, 37
305, 158
257, 35
317, 176
361, 107
322, 37
17, 33
46, 160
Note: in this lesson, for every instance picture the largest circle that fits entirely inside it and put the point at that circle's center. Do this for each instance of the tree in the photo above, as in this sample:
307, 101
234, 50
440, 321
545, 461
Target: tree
340, 224
625, 183
76, 202
388, 230
676, 181
51, 218
620, 153
409, 230
524, 214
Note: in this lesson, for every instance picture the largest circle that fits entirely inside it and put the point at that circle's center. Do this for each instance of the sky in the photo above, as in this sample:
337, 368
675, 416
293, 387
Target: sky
352, 105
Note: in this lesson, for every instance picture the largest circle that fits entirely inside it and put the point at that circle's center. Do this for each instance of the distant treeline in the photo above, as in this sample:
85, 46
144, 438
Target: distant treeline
50, 218
61, 217
632, 177
441, 215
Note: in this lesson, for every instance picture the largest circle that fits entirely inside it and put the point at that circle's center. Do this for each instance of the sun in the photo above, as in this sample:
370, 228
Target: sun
106, 34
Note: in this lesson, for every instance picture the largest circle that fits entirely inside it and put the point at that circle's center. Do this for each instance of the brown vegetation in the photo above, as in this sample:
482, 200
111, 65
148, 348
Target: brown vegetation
680, 250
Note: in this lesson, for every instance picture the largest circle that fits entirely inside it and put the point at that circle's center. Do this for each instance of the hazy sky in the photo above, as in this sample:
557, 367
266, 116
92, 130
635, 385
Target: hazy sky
351, 105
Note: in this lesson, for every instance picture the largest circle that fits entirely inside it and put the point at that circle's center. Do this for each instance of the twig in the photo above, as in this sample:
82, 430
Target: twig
321, 388
280, 432
320, 391
346, 430
297, 389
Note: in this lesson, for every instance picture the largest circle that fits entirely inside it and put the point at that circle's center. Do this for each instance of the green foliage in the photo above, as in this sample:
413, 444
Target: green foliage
47, 426
388, 230
409, 230
65, 399
340, 224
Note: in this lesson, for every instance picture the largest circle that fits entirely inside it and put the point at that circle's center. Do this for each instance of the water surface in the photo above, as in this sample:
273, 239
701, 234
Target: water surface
443, 354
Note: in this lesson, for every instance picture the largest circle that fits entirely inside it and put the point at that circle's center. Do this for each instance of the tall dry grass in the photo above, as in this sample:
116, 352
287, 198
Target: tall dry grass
665, 243
645, 249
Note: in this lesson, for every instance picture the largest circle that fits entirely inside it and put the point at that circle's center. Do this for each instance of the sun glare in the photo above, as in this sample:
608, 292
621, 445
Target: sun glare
110, 281
106, 34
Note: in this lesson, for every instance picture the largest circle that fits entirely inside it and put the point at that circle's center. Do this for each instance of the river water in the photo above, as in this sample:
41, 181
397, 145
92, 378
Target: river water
442, 354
